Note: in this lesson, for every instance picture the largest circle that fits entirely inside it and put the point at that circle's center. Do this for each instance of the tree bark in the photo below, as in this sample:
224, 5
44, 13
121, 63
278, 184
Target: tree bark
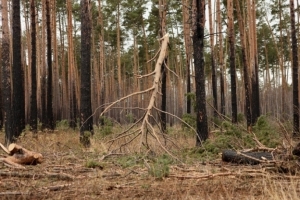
49, 109
213, 65
33, 97
18, 100
231, 40
245, 66
86, 118
198, 44
6, 77
295, 72
162, 14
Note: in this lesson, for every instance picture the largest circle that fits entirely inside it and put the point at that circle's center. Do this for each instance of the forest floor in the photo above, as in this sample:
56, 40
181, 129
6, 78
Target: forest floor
72, 172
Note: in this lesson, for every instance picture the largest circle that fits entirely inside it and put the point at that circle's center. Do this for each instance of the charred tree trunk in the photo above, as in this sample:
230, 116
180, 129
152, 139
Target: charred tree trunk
295, 72
33, 97
49, 115
198, 44
18, 100
245, 67
86, 119
6, 77
162, 14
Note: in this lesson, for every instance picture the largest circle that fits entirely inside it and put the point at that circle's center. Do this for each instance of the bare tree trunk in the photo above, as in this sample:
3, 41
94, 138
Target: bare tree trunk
231, 40
33, 97
86, 117
188, 52
49, 115
213, 65
295, 72
245, 66
162, 14
6, 77
198, 44
17, 74
221, 58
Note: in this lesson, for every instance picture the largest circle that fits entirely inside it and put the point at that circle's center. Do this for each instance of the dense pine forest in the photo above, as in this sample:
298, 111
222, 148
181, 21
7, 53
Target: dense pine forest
159, 99
69, 60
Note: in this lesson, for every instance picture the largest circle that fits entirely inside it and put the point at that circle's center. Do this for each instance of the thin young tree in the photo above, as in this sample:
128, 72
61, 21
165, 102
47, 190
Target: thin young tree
49, 94
188, 50
33, 97
198, 44
213, 63
6, 78
295, 71
18, 101
221, 58
231, 40
86, 118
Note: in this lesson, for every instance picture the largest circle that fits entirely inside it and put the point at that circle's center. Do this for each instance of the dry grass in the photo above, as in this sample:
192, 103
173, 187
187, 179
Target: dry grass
72, 172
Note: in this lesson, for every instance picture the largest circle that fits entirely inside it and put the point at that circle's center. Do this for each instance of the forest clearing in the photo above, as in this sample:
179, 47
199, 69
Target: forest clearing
70, 171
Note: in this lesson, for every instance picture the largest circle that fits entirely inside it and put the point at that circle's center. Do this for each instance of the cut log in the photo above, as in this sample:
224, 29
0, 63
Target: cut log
250, 158
22, 156
19, 156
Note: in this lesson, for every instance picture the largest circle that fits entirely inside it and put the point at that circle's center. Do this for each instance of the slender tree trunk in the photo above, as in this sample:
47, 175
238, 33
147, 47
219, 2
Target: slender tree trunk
221, 63
188, 46
295, 72
49, 109
198, 44
86, 118
17, 74
6, 77
245, 67
213, 65
255, 103
33, 100
162, 14
231, 40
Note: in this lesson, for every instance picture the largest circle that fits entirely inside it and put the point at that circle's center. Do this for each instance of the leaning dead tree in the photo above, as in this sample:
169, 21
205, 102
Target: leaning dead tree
143, 128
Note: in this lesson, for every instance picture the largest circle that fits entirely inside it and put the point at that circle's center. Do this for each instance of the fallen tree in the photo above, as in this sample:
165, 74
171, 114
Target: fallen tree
145, 126
19, 156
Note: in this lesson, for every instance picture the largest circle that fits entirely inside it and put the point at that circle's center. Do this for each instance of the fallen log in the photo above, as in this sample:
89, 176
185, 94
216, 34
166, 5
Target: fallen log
19, 156
250, 158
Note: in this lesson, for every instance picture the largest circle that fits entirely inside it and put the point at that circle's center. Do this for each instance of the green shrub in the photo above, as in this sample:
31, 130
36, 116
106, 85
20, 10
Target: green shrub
160, 168
190, 120
62, 125
93, 164
107, 127
266, 133
130, 118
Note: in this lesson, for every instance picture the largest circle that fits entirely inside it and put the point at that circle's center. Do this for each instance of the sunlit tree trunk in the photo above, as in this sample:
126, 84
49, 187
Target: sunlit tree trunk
71, 68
